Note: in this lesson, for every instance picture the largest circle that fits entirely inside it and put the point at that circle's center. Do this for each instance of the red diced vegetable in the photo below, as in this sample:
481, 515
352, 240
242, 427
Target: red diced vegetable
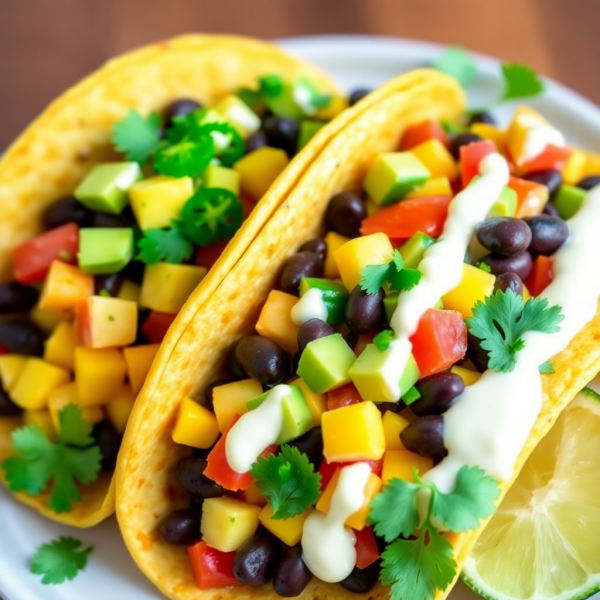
343, 396
32, 259
422, 132
157, 324
470, 157
531, 196
3, 350
552, 158
327, 470
212, 568
207, 256
542, 274
366, 548
440, 340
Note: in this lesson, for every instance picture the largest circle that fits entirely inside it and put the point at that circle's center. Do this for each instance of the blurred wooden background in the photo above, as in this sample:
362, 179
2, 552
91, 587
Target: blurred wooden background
47, 45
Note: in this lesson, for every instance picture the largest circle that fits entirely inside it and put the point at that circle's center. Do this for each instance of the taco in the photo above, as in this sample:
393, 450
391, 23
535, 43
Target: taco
351, 407
102, 243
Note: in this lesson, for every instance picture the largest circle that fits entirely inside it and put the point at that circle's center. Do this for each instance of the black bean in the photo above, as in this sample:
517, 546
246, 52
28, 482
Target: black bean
548, 234
7, 407
357, 95
311, 330
109, 441
210, 388
395, 407
104, 220
297, 266
509, 281
587, 183
179, 108
189, 472
21, 336
134, 271
519, 264
110, 284
350, 338
255, 140
362, 581
438, 393
291, 574
182, 527
551, 179
16, 297
67, 210
462, 139
504, 235
476, 354
345, 212
550, 210
311, 444
317, 246
365, 312
282, 132
425, 437
482, 117
262, 359
256, 559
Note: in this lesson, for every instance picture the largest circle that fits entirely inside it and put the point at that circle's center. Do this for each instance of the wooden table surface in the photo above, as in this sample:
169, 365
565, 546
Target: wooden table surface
47, 45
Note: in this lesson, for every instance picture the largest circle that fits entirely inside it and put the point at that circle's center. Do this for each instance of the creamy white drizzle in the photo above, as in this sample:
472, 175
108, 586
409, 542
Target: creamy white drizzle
310, 306
491, 421
256, 430
303, 98
327, 544
537, 138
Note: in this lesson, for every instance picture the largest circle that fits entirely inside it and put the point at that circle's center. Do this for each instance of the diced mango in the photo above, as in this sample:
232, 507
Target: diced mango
120, 407
490, 132
356, 520
317, 403
64, 395
225, 178
106, 322
334, 241
11, 367
65, 287
232, 399
259, 169
436, 158
238, 114
289, 531
475, 285
353, 433
48, 320
436, 186
252, 495
275, 321
195, 425
158, 200
166, 287
37, 379
130, 291
399, 464
43, 420
60, 346
227, 523
572, 173
139, 360
468, 376
524, 118
393, 424
99, 374
592, 164
355, 255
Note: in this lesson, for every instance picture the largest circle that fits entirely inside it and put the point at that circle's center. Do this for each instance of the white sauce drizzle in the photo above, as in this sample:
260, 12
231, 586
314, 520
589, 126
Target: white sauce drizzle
303, 98
310, 306
492, 419
327, 544
537, 138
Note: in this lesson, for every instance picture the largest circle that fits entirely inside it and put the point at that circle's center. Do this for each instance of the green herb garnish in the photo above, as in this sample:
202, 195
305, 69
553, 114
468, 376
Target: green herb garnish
136, 137
520, 81
232, 150
546, 368
187, 158
105, 293
169, 245
60, 560
394, 273
383, 339
485, 267
456, 62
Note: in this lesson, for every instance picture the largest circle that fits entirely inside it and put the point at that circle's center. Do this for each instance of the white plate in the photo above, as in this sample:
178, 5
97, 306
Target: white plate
356, 61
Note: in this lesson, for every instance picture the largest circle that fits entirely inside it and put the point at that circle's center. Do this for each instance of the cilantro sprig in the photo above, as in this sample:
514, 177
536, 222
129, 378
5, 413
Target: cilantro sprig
169, 245
395, 274
75, 457
383, 339
137, 138
502, 319
60, 560
287, 481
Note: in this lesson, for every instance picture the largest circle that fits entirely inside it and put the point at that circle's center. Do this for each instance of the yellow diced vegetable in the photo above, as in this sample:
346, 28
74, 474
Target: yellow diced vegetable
225, 178
238, 114
130, 291
436, 186
60, 346
393, 424
195, 425
227, 523
99, 374
399, 464
231, 399
572, 173
252, 495
275, 321
317, 403
106, 322
11, 367
490, 132
43, 420
334, 241
289, 531
37, 379
259, 169
120, 407
48, 320
139, 360
469, 377
64, 395
524, 118
592, 164
65, 287
436, 157
334, 108
475, 285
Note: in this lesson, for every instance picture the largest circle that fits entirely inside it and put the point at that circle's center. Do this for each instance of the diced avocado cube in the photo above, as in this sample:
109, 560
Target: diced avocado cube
568, 200
284, 104
391, 301
238, 114
106, 186
413, 250
325, 363
506, 205
104, 251
216, 176
308, 129
393, 175
297, 418
411, 396
333, 294
373, 373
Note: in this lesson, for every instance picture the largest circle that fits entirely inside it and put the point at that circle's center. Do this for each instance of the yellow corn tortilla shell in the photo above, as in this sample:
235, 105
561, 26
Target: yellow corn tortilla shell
53, 155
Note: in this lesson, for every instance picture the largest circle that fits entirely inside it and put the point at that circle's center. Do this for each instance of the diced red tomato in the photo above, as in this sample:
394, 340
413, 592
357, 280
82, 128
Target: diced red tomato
3, 350
32, 259
404, 219
422, 132
327, 470
207, 256
470, 157
157, 324
440, 340
218, 468
542, 274
212, 568
366, 547
343, 396
552, 158
531, 196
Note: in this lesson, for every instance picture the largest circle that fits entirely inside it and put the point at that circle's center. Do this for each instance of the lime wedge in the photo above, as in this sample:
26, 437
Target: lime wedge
544, 541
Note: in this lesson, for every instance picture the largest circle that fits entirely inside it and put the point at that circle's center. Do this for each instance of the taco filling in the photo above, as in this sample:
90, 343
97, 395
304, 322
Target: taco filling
396, 372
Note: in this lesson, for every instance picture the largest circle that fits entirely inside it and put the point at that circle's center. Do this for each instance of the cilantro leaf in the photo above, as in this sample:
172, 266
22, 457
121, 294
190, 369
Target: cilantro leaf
287, 481
405, 280
472, 499
485, 267
520, 81
60, 560
186, 158
546, 368
373, 277
271, 85
456, 62
503, 318
169, 245
383, 339
37, 461
137, 138
394, 273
